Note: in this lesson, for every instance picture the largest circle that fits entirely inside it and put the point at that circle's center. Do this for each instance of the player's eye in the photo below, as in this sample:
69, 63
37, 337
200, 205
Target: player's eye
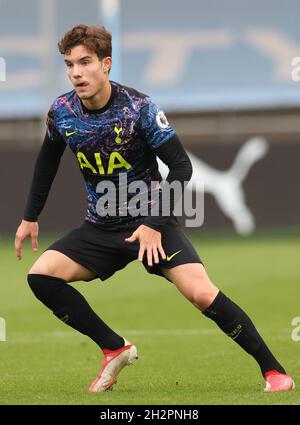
69, 64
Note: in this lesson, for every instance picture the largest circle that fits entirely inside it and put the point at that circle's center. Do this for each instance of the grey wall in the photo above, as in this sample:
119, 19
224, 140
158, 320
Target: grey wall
269, 189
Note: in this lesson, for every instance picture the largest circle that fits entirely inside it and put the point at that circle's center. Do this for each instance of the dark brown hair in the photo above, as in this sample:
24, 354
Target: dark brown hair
95, 38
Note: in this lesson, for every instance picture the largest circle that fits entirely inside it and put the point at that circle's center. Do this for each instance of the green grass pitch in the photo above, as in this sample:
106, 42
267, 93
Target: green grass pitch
183, 357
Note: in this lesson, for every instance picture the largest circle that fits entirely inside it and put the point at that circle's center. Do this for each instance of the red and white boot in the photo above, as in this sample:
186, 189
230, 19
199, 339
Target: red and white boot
114, 361
276, 381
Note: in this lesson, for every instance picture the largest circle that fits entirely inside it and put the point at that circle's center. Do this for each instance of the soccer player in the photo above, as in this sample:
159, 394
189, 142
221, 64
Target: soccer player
116, 131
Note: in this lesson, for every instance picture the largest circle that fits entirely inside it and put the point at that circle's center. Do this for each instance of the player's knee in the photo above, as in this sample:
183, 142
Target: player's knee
203, 299
203, 292
32, 280
46, 289
36, 281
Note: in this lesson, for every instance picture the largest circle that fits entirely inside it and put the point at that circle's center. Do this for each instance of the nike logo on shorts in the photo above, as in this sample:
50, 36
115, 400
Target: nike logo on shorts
169, 258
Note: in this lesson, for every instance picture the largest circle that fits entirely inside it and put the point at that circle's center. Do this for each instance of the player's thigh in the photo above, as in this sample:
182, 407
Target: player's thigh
54, 263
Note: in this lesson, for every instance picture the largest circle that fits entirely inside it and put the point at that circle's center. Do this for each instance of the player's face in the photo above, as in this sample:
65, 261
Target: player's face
87, 72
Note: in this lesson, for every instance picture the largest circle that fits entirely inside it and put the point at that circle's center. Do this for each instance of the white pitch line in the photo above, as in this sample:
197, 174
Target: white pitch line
164, 332
29, 337
45, 336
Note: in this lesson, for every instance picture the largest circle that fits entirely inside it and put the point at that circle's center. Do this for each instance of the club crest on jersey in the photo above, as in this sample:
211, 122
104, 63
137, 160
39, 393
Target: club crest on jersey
118, 131
161, 120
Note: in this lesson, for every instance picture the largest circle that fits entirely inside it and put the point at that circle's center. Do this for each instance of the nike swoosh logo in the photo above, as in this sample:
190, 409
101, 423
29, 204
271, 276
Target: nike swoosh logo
70, 134
169, 258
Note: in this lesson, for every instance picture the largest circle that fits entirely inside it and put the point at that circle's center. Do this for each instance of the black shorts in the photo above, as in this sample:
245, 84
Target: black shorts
105, 252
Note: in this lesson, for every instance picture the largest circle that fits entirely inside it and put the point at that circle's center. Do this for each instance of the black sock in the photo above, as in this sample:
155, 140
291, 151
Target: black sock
238, 326
72, 308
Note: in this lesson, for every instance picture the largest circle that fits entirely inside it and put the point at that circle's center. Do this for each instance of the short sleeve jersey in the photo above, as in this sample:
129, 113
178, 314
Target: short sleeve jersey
120, 138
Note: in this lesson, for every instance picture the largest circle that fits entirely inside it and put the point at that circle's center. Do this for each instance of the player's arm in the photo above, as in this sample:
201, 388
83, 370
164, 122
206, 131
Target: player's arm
175, 157
160, 136
46, 167
173, 154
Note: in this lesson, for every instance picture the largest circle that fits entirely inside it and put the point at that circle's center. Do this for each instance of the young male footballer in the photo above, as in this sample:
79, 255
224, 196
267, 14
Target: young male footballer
116, 131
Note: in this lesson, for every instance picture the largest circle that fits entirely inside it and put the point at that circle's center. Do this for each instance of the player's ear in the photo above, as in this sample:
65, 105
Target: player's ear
106, 64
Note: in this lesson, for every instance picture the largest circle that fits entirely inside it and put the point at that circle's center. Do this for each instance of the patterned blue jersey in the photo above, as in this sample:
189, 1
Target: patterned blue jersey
119, 138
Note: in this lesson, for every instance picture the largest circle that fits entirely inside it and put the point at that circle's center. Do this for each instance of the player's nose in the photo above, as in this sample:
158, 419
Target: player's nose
76, 72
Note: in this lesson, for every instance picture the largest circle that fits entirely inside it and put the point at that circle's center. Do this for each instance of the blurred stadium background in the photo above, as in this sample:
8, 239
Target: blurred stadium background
222, 71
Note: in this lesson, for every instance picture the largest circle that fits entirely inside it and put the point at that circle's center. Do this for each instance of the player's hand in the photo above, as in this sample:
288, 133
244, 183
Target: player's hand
150, 243
27, 229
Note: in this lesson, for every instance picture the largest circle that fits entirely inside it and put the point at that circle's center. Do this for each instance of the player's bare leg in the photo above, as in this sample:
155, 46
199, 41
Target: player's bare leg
56, 264
48, 279
193, 282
